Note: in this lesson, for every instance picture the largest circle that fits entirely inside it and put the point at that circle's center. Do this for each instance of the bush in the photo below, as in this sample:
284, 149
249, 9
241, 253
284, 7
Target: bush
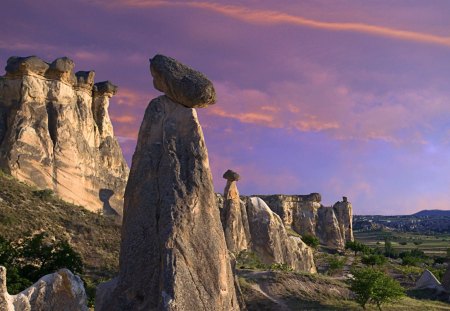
310, 240
403, 243
250, 260
43, 194
281, 267
356, 247
373, 260
373, 286
34, 257
335, 263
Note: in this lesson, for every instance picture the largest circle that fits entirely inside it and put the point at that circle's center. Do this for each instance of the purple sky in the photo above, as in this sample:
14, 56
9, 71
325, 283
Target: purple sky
338, 97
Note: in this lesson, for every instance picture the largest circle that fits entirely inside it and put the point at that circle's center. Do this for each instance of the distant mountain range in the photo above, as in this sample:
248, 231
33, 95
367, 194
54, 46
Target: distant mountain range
432, 212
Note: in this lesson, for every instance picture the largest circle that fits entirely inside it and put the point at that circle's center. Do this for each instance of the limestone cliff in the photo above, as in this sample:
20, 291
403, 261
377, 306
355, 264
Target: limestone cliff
173, 253
305, 215
55, 133
272, 243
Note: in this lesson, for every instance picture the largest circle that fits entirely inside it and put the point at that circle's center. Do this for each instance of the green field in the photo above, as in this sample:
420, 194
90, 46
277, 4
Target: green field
432, 245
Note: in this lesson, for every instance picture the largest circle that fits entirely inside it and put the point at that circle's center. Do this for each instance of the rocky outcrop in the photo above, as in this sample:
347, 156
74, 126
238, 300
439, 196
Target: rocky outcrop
234, 216
55, 133
180, 83
173, 253
57, 291
271, 241
307, 216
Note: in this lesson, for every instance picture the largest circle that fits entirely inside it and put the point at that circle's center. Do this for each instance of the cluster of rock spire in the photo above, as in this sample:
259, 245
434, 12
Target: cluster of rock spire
178, 237
55, 133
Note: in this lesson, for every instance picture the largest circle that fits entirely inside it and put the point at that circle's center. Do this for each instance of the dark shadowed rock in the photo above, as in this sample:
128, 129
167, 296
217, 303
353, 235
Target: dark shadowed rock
105, 87
85, 79
231, 175
62, 69
446, 279
61, 290
173, 252
25, 65
181, 83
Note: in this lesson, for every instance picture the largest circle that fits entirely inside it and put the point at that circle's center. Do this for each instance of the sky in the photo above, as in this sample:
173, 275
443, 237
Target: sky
345, 98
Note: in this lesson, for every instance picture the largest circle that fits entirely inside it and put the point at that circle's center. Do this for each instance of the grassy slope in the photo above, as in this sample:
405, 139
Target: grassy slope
95, 237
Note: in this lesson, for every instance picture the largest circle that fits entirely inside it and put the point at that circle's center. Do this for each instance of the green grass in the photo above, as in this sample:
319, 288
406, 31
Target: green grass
432, 245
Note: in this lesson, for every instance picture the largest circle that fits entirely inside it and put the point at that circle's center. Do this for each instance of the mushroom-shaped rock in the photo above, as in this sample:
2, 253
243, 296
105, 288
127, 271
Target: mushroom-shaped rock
62, 69
104, 88
231, 175
181, 83
85, 79
18, 66
234, 216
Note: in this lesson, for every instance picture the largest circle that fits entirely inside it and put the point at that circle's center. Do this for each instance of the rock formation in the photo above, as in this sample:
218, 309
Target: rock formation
428, 281
57, 291
271, 241
55, 133
173, 252
446, 279
305, 215
234, 216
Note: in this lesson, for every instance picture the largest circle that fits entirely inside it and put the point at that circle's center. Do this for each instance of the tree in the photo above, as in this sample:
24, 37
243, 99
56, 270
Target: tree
34, 257
373, 286
374, 259
356, 247
310, 240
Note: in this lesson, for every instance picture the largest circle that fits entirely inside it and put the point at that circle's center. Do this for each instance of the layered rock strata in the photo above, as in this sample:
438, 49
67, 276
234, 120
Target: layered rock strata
307, 216
173, 252
234, 216
271, 241
57, 291
55, 133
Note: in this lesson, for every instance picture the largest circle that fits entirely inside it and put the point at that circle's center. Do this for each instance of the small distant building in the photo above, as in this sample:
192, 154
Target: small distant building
428, 281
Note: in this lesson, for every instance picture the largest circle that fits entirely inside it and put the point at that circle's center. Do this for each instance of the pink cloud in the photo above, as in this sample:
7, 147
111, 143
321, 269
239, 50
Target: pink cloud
271, 17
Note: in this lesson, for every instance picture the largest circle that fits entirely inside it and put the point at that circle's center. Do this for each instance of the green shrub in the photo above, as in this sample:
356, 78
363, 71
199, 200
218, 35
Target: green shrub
335, 263
44, 194
310, 240
373, 286
28, 260
249, 260
373, 260
357, 247
281, 267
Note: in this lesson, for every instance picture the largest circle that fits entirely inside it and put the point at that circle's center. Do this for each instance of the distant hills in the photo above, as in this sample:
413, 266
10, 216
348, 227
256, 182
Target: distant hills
432, 212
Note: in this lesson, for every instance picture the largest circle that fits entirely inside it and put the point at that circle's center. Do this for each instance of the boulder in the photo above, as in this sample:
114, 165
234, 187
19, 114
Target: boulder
428, 281
61, 290
55, 133
234, 216
181, 83
271, 241
173, 253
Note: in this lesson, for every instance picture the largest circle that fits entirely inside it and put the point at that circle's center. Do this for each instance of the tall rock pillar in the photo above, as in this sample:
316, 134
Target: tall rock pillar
173, 251
234, 215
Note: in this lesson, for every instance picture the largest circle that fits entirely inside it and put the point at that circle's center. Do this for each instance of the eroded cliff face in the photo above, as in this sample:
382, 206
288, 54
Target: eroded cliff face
307, 216
272, 243
55, 133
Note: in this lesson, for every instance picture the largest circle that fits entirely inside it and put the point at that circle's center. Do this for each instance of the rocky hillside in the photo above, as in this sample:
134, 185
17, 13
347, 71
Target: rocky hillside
24, 210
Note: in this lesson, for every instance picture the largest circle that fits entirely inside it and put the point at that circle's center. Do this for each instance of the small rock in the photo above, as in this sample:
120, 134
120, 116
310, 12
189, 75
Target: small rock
231, 175
181, 83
